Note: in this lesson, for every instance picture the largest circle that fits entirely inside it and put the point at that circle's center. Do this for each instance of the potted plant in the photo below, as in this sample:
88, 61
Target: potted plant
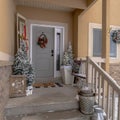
66, 68
22, 67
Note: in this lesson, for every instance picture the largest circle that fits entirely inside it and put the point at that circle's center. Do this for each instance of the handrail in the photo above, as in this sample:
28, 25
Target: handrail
107, 77
106, 88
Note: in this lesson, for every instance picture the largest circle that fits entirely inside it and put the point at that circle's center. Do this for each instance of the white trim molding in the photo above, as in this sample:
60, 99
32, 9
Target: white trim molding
90, 41
5, 57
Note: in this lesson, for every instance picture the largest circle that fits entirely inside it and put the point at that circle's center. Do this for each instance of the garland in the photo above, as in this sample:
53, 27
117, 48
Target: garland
42, 40
116, 36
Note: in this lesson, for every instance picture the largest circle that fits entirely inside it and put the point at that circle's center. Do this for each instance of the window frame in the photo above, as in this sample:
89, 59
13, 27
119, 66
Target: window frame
90, 40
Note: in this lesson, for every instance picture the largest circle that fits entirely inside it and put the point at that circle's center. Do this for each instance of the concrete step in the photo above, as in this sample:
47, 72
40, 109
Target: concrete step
62, 115
36, 108
44, 100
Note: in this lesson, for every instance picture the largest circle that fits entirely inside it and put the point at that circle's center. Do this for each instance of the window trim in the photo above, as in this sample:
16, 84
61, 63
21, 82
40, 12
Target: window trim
90, 40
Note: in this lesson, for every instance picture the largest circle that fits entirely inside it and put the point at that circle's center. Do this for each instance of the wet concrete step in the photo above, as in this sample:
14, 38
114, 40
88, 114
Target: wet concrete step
62, 115
44, 100
36, 108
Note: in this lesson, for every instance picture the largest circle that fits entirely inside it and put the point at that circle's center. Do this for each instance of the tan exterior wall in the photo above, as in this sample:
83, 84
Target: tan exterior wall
49, 16
76, 14
114, 12
94, 15
7, 25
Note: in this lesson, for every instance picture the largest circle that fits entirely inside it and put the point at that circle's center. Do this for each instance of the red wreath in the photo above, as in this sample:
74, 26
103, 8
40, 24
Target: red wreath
42, 40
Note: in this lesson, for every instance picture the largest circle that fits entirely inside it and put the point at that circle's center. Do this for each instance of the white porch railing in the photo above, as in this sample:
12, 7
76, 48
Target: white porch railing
108, 91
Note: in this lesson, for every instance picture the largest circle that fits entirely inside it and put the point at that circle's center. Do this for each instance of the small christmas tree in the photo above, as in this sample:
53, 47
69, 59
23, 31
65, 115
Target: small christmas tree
68, 56
22, 65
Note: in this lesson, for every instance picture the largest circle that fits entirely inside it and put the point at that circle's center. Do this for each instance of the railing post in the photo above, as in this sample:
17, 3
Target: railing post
87, 69
106, 33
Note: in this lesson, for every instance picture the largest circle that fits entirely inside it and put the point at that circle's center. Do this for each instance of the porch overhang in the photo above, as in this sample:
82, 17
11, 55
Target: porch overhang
66, 5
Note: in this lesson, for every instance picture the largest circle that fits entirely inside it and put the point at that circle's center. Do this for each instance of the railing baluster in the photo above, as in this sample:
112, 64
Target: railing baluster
92, 75
103, 93
119, 106
95, 80
84, 65
113, 104
108, 101
87, 69
99, 89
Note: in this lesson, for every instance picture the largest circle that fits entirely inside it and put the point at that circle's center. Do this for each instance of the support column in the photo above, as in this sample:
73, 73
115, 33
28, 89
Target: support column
75, 30
106, 33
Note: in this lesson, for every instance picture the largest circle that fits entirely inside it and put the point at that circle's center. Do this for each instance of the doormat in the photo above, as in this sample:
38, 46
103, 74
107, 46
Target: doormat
46, 85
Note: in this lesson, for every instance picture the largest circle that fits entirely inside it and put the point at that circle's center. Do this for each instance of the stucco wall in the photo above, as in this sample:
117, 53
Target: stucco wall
49, 16
5, 72
7, 23
94, 15
115, 71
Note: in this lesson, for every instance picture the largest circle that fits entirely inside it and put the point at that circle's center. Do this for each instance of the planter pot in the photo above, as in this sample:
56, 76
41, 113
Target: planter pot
66, 72
17, 86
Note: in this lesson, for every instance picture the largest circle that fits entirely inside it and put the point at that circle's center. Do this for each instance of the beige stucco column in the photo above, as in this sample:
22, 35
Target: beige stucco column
76, 13
105, 33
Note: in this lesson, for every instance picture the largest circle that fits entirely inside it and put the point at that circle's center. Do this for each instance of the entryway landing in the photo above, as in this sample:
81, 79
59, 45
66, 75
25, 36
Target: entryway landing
44, 100
52, 103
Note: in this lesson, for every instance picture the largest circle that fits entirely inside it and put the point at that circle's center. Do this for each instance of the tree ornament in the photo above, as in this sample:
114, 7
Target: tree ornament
68, 56
42, 40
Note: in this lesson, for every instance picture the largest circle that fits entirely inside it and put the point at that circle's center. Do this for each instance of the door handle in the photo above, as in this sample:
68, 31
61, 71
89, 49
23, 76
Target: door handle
52, 52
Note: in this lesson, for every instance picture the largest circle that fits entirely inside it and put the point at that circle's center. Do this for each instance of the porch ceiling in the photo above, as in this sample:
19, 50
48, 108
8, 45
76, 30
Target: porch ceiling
65, 5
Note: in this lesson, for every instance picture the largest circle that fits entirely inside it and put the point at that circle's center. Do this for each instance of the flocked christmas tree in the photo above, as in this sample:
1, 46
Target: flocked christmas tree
22, 65
68, 56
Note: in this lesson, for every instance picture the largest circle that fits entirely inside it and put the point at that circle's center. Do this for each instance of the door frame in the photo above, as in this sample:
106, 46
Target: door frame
56, 26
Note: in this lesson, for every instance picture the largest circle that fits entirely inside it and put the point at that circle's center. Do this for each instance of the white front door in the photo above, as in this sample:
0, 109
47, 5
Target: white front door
43, 58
